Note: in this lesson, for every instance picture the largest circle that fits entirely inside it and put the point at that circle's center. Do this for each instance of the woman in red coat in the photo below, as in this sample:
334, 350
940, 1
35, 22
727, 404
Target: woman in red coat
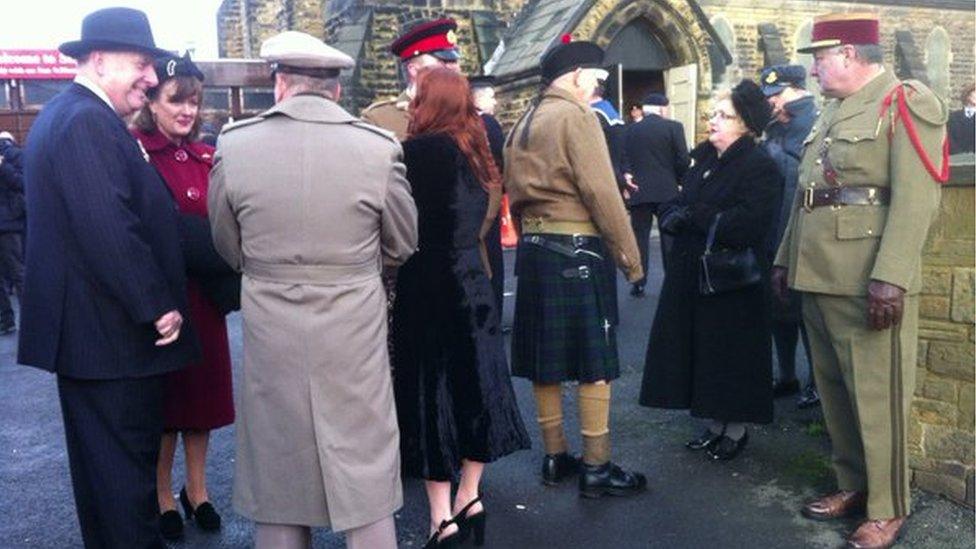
198, 398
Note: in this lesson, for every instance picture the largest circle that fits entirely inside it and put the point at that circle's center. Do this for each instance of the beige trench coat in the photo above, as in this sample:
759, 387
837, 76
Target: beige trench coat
306, 201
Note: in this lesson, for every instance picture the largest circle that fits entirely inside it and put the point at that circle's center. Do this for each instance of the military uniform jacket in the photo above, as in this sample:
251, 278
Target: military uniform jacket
838, 249
306, 200
392, 115
564, 174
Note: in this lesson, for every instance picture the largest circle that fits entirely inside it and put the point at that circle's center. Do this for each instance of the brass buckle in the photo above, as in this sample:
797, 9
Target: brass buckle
808, 199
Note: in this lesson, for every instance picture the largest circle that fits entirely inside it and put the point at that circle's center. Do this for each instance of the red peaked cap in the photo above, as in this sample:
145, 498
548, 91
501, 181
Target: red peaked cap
843, 28
437, 38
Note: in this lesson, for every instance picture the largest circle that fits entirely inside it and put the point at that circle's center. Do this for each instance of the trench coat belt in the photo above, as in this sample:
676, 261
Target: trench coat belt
845, 196
323, 275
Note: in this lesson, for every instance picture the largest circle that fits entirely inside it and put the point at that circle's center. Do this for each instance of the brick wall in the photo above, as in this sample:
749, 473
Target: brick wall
941, 425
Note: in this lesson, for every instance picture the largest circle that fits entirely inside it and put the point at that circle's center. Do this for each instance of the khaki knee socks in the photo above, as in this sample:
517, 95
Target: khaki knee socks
594, 406
549, 407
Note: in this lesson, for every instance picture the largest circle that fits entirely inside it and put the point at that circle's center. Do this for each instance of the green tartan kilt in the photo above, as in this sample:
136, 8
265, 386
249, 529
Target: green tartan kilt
565, 328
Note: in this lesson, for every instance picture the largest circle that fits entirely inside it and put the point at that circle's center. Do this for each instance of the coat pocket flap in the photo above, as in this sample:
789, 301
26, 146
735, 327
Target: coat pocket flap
861, 222
855, 135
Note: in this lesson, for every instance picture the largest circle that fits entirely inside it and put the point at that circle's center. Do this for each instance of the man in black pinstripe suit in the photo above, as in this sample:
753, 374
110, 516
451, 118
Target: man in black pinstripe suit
104, 281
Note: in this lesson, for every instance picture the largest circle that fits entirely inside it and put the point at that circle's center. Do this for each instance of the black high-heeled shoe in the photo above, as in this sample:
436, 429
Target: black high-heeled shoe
171, 525
704, 441
205, 515
468, 524
447, 542
727, 448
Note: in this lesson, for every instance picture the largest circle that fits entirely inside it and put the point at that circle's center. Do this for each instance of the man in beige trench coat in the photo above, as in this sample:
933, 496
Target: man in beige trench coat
308, 201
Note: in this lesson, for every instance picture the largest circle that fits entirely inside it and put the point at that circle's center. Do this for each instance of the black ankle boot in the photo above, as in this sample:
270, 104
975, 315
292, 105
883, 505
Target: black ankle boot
558, 467
609, 479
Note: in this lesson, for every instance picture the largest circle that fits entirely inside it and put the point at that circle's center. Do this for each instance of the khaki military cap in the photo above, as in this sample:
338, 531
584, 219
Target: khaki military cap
300, 53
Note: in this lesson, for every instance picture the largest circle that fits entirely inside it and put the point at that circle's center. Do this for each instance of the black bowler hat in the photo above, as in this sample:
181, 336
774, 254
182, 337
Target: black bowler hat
568, 57
656, 100
173, 66
114, 29
751, 105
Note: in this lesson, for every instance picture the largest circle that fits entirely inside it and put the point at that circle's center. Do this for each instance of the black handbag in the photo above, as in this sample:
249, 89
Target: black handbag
725, 270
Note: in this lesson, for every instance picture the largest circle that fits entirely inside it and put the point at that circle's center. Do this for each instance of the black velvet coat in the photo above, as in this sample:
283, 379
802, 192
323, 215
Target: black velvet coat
712, 354
453, 391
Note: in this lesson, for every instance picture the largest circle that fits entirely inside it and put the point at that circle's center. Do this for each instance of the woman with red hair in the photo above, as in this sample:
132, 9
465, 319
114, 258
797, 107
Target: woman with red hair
454, 397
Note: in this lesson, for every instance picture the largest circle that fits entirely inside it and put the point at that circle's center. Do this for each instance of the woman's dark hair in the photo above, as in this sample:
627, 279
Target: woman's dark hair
965, 94
751, 105
186, 88
444, 105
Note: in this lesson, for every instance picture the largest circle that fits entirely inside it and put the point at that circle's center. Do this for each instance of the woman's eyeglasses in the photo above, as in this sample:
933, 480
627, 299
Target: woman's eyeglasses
722, 115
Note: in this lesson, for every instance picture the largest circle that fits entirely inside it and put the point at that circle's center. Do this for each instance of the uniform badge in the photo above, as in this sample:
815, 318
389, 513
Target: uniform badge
181, 155
771, 77
171, 68
145, 154
451, 37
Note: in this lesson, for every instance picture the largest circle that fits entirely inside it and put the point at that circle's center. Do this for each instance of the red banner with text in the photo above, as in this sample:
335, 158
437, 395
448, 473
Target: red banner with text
36, 65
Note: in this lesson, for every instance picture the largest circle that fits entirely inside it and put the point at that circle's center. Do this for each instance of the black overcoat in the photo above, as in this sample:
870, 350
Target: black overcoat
454, 396
712, 354
103, 249
658, 159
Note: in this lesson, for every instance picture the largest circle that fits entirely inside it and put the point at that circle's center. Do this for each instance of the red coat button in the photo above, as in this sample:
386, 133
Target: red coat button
181, 155
193, 193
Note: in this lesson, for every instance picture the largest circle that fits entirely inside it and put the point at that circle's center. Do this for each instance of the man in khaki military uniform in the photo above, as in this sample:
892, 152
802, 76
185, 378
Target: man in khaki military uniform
429, 44
317, 436
867, 193
574, 228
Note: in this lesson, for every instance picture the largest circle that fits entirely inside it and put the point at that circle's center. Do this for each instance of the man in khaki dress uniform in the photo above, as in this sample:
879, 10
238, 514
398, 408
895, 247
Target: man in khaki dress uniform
307, 201
868, 191
429, 44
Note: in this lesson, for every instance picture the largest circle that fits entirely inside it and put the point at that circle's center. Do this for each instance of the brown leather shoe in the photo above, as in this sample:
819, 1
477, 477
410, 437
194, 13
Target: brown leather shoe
840, 504
876, 534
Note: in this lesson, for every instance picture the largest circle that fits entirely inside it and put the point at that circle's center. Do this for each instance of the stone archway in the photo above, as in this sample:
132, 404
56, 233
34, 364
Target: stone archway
682, 35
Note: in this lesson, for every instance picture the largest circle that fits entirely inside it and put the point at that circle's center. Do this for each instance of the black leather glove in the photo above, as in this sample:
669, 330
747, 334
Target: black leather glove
885, 304
674, 219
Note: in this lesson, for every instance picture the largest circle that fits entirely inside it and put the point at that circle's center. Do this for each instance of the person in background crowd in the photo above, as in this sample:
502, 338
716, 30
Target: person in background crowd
710, 353
614, 132
104, 286
317, 437
869, 191
573, 225
794, 112
11, 228
425, 45
483, 95
198, 398
636, 113
658, 158
962, 124
455, 403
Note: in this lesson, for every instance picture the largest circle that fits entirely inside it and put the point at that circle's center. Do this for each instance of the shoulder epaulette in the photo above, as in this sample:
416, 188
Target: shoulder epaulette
924, 103
375, 129
897, 104
237, 124
379, 104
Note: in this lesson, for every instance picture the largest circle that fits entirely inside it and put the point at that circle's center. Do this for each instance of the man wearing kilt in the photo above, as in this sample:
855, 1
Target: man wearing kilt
574, 227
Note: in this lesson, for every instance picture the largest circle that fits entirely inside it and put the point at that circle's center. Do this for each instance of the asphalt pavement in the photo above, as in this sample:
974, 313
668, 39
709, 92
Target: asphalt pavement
750, 502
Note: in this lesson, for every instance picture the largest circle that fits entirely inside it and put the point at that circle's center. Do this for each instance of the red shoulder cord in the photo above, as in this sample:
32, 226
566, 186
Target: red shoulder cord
899, 90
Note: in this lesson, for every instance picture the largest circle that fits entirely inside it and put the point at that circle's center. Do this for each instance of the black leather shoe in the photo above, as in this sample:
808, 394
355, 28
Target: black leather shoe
786, 388
808, 399
726, 448
703, 441
609, 479
205, 515
171, 525
558, 467
637, 290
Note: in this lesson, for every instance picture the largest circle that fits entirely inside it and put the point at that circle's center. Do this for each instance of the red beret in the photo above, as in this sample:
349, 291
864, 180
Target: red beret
437, 38
843, 28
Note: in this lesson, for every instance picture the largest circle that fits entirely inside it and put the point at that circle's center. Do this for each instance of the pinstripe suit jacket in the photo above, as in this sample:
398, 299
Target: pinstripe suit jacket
103, 256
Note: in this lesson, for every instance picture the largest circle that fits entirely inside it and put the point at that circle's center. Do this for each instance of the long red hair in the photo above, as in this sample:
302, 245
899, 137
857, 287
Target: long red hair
443, 104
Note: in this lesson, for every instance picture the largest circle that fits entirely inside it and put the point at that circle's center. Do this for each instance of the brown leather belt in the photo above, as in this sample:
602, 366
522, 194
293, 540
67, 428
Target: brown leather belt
844, 196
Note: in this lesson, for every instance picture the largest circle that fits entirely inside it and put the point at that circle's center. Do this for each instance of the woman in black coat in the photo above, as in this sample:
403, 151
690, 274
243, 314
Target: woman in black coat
711, 354
455, 404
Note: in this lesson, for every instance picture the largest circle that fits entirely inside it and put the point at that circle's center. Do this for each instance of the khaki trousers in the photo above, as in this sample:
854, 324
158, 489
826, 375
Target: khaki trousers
866, 379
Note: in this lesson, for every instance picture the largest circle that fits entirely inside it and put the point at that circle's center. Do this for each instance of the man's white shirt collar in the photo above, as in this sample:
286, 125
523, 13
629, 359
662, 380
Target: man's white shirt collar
88, 83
